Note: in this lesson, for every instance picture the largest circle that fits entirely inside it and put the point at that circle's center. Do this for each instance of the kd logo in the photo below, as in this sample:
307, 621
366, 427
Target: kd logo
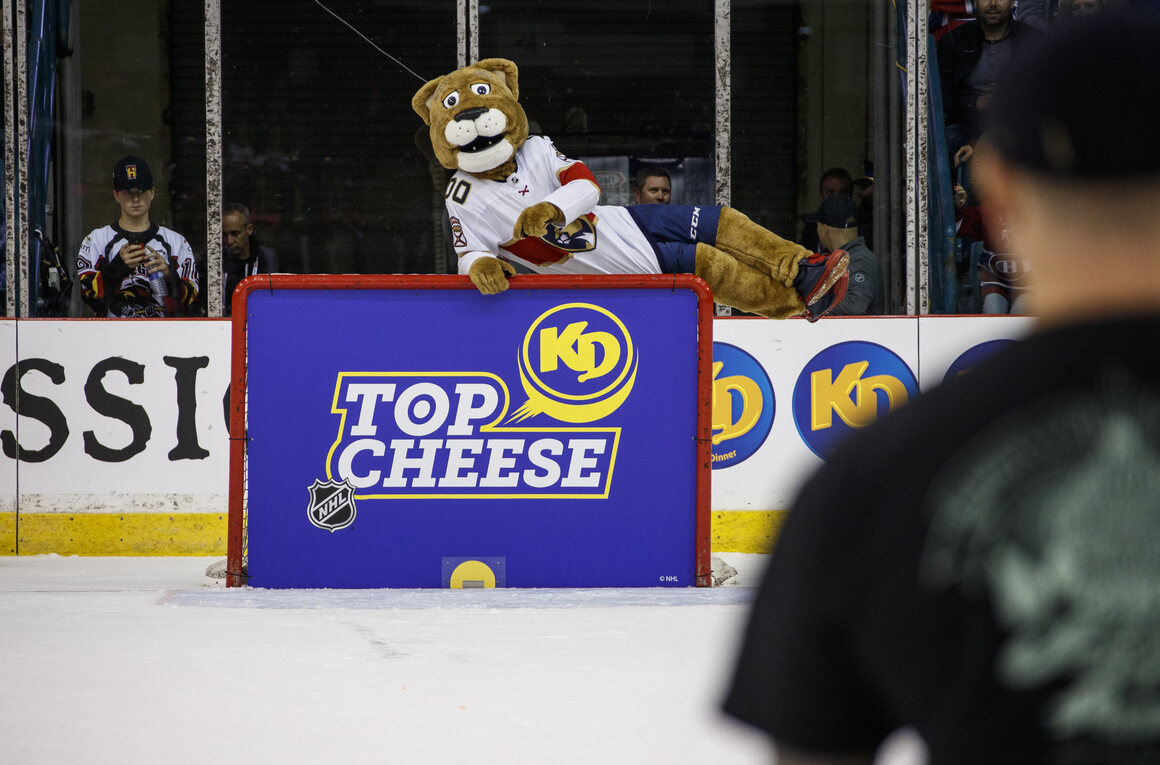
733, 424
577, 350
742, 405
859, 382
577, 364
851, 395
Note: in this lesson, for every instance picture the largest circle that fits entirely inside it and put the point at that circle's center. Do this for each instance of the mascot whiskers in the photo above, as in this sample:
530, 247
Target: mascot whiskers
515, 198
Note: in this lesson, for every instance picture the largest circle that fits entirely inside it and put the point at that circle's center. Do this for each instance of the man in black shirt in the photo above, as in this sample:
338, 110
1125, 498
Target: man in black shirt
981, 566
242, 254
972, 58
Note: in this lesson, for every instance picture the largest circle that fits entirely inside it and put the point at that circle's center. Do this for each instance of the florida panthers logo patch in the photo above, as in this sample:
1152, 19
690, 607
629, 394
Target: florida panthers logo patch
577, 236
559, 244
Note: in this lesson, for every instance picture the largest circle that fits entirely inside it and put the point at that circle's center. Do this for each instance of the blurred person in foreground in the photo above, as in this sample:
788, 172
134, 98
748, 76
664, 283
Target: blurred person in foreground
981, 566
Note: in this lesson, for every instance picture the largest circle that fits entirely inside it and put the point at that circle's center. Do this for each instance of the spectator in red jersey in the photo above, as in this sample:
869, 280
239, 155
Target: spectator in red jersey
1003, 277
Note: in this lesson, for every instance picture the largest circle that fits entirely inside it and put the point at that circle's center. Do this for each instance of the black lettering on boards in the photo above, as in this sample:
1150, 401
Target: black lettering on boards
103, 402
38, 408
186, 377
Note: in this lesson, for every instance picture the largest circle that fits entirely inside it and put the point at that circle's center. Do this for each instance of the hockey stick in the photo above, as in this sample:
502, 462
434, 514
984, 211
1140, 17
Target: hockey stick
369, 40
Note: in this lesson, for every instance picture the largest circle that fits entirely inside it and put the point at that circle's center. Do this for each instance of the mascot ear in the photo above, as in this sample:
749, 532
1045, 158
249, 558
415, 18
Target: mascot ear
507, 69
419, 101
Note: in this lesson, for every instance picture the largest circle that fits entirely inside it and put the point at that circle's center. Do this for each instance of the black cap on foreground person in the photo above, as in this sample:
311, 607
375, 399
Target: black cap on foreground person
1041, 124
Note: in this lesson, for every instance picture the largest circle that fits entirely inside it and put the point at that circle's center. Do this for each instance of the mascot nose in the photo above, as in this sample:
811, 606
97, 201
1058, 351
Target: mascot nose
471, 114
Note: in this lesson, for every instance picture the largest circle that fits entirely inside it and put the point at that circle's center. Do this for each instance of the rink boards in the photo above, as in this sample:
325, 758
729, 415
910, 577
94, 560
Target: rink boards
152, 393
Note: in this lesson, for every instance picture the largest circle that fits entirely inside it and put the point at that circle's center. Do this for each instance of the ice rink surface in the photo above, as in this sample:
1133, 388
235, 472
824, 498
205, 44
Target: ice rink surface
136, 660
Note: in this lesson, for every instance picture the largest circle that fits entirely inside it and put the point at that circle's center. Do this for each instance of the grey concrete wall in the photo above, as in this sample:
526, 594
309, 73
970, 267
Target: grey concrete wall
836, 90
124, 66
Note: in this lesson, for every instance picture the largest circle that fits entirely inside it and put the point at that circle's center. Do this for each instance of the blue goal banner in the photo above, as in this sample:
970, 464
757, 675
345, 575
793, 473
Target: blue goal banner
406, 431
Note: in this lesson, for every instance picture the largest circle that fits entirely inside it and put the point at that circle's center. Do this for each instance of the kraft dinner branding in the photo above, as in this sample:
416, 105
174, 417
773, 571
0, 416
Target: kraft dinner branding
844, 387
426, 434
743, 405
577, 364
470, 435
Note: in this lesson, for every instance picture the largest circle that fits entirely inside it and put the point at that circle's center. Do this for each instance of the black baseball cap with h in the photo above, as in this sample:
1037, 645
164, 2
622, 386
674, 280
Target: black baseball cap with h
132, 173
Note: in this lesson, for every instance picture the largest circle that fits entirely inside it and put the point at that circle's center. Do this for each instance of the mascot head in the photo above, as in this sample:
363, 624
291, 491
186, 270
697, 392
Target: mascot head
476, 120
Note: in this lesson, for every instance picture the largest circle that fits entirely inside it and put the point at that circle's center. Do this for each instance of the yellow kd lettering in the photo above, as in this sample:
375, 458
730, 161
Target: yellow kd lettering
852, 397
893, 388
554, 347
577, 350
828, 395
751, 403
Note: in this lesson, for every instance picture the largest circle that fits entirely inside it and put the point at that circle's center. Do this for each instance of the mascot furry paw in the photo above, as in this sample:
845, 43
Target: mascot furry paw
515, 198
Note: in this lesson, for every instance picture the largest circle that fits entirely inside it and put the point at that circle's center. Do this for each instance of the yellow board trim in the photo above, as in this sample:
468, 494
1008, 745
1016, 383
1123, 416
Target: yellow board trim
204, 534
746, 531
7, 533
200, 534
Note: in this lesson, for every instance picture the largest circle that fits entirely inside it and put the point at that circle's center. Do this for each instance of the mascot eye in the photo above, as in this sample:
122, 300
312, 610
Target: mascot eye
451, 99
481, 88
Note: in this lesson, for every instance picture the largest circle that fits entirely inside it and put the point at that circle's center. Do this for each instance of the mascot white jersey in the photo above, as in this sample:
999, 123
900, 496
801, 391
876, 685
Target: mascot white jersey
600, 240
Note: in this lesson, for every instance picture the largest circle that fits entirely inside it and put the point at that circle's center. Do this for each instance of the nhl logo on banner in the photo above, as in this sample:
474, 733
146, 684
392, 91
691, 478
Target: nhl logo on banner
331, 505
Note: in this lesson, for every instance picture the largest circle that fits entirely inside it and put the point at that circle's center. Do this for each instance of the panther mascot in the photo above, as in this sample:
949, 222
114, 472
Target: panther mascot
515, 198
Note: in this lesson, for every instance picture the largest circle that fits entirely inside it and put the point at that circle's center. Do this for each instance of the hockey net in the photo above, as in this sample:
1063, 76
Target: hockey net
237, 565
237, 539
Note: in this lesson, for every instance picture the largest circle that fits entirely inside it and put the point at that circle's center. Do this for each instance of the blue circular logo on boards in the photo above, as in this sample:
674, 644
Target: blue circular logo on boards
972, 357
845, 387
743, 405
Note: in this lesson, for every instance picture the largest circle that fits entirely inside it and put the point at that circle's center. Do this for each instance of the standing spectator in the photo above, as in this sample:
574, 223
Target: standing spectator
115, 261
971, 59
652, 186
837, 222
981, 565
242, 254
